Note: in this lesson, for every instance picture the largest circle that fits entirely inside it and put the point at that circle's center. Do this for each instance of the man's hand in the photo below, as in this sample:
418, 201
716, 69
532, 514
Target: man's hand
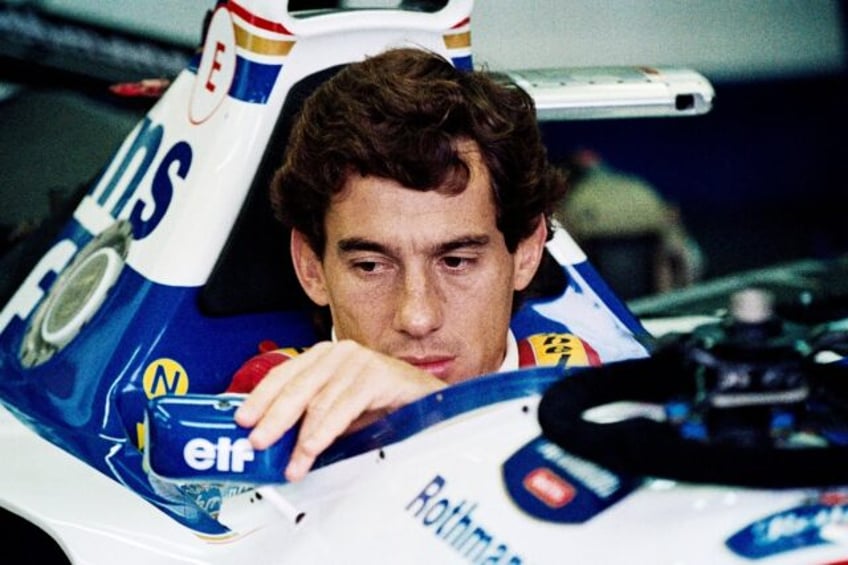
335, 388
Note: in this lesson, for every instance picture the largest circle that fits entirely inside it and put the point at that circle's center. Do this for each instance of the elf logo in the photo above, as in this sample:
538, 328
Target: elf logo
224, 455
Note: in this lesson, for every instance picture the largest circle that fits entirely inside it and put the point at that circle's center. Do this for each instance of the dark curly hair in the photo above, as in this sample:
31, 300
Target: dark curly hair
399, 115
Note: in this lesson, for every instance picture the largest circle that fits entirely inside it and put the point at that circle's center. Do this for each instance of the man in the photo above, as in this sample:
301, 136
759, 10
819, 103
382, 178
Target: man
418, 198
604, 204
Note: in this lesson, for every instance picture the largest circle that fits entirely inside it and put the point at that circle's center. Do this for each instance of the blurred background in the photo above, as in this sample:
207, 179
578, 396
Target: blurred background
757, 181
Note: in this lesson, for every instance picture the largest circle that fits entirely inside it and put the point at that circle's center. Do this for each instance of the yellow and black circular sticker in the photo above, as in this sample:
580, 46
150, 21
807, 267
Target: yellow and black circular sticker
164, 376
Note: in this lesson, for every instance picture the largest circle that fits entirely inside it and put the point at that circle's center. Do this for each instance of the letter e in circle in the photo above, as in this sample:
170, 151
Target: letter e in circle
216, 69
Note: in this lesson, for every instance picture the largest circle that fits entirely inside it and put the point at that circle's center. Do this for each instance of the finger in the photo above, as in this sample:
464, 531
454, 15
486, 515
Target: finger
266, 391
300, 390
330, 413
365, 388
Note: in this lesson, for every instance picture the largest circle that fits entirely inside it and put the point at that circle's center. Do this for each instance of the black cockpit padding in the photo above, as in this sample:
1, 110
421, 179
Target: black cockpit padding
254, 271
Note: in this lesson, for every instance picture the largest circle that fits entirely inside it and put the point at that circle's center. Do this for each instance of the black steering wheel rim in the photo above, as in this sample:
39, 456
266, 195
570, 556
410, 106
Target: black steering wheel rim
642, 446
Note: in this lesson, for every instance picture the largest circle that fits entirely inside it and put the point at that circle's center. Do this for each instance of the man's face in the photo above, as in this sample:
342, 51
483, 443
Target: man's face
421, 276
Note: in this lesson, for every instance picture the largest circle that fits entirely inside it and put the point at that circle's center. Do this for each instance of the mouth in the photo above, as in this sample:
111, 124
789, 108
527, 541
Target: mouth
438, 366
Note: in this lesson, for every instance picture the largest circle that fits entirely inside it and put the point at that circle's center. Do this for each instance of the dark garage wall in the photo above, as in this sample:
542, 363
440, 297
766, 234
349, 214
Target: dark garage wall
760, 179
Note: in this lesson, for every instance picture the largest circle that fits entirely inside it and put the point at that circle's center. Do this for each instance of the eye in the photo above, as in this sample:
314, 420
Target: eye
456, 262
366, 266
370, 266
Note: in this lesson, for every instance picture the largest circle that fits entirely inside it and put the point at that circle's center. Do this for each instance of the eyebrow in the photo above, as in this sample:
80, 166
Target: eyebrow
353, 244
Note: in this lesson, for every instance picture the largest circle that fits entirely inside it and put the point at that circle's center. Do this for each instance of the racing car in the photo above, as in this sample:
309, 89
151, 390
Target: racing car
170, 272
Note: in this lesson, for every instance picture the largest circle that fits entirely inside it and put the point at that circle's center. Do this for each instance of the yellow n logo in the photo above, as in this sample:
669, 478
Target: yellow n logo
164, 376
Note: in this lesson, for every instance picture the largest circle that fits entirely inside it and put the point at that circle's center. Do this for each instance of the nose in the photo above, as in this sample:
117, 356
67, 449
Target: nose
420, 304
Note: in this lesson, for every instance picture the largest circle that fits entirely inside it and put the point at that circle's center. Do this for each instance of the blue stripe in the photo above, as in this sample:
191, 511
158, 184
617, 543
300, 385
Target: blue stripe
253, 81
609, 298
463, 63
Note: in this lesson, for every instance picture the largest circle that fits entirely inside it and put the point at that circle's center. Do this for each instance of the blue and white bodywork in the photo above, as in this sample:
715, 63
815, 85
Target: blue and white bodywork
170, 275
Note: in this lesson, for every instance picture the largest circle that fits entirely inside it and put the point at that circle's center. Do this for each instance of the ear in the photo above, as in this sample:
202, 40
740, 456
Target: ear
528, 255
309, 269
